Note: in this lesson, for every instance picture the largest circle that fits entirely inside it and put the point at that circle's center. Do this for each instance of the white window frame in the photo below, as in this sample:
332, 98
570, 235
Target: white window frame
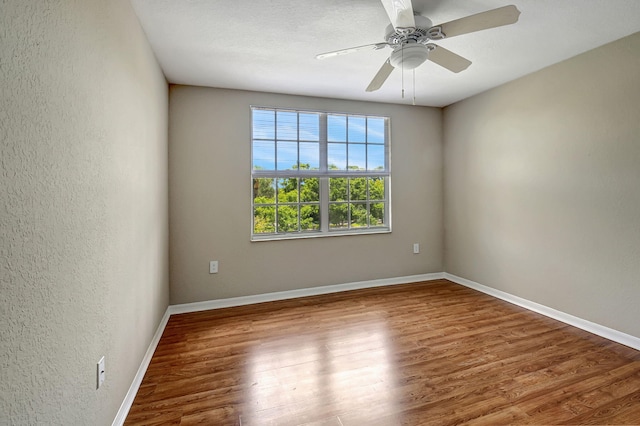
324, 174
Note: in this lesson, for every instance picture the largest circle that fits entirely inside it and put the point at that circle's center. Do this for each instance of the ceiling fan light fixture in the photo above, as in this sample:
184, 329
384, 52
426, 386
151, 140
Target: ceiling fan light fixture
409, 56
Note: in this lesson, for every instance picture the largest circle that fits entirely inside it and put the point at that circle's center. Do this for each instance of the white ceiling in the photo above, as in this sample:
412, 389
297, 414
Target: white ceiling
270, 45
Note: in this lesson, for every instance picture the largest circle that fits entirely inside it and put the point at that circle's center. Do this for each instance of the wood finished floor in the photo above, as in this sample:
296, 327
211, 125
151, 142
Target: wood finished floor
417, 354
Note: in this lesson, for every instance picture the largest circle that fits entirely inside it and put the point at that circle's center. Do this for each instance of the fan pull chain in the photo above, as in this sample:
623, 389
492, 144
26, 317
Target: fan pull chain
414, 86
402, 68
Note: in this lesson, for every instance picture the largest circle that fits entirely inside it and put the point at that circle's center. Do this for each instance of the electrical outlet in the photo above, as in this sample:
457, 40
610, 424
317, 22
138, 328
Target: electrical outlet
416, 248
213, 267
100, 373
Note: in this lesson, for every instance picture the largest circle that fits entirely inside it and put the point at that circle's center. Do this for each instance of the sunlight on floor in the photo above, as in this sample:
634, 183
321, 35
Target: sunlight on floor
307, 378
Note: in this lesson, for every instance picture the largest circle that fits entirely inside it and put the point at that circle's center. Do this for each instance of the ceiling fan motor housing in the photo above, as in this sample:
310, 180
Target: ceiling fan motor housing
409, 45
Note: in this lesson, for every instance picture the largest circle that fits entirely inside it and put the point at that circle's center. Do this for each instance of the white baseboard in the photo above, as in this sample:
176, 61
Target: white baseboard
292, 294
137, 380
591, 327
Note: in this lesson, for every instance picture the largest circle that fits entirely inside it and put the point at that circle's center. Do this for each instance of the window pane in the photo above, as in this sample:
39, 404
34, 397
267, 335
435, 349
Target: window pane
337, 156
287, 155
358, 215
357, 157
264, 124
375, 130
264, 191
336, 128
264, 220
375, 157
337, 189
338, 215
376, 188
264, 155
310, 217
287, 125
377, 214
357, 129
288, 190
309, 127
309, 191
287, 218
309, 155
358, 189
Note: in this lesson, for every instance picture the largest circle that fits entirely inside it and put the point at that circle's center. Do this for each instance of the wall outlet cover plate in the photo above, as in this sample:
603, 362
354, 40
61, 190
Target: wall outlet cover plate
101, 373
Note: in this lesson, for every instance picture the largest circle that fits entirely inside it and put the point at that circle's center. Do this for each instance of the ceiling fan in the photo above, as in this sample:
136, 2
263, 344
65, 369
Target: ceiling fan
409, 36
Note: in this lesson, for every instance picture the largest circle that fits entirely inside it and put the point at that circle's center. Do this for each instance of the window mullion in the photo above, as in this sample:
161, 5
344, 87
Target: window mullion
324, 204
323, 184
323, 144
348, 190
368, 203
275, 139
366, 148
387, 200
275, 203
387, 147
298, 139
299, 227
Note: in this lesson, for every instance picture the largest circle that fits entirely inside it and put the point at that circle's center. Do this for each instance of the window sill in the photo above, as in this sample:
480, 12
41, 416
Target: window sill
308, 235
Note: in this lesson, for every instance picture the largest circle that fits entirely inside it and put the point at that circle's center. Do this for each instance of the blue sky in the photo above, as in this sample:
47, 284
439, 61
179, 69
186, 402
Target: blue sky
340, 129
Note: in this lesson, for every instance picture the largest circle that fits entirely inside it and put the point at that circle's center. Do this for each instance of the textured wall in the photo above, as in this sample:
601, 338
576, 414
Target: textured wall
83, 207
542, 186
210, 201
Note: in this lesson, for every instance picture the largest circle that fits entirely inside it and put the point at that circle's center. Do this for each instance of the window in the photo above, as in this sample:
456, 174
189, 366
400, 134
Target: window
318, 174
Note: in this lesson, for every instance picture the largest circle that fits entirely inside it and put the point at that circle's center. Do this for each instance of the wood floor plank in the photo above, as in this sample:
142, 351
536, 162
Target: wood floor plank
417, 354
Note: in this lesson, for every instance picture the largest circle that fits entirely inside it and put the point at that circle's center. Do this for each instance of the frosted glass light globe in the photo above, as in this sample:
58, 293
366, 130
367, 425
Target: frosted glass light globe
410, 56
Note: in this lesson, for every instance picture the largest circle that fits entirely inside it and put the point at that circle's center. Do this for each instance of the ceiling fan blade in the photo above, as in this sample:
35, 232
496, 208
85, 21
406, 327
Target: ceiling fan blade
400, 13
481, 21
447, 59
374, 46
381, 77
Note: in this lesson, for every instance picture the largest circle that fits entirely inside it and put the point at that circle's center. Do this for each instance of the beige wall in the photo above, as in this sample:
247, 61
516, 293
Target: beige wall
542, 186
83, 207
210, 210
